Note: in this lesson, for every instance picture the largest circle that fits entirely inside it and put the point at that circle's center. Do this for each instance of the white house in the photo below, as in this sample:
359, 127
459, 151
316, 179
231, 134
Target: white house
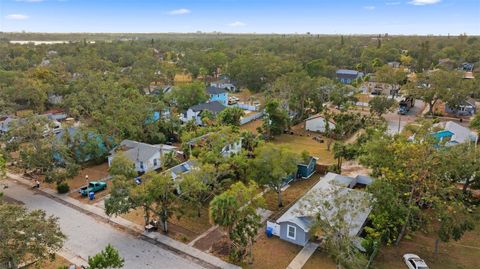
225, 84
318, 123
456, 133
194, 112
146, 157
294, 225
227, 150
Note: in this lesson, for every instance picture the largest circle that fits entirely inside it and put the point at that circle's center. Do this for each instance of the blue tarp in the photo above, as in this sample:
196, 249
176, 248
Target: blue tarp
443, 134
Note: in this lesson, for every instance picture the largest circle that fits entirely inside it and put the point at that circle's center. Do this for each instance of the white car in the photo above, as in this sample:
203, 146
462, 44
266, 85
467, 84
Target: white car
414, 262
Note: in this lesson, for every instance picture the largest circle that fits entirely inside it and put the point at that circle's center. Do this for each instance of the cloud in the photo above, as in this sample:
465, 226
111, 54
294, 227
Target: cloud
237, 24
16, 17
424, 2
181, 11
392, 3
369, 7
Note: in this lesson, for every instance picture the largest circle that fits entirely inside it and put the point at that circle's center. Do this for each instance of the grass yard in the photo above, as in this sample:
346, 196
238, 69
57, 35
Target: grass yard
299, 144
291, 194
58, 262
184, 229
319, 259
463, 254
252, 126
270, 253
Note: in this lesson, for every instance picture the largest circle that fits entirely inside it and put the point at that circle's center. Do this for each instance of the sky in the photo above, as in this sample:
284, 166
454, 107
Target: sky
420, 17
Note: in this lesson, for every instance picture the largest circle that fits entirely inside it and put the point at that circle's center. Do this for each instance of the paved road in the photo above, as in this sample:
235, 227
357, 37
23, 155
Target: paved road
87, 236
393, 118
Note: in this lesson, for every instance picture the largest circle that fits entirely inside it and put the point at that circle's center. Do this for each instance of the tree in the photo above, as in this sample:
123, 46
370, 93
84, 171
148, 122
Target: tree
475, 123
188, 95
3, 166
122, 166
380, 105
342, 97
106, 259
276, 119
27, 235
434, 86
235, 211
333, 221
231, 116
272, 166
160, 197
394, 77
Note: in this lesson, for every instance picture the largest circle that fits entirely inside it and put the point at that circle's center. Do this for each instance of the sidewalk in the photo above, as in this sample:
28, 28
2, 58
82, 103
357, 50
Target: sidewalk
163, 240
302, 257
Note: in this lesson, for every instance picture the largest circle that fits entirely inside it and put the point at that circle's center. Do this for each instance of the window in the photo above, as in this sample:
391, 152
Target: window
155, 162
141, 165
291, 232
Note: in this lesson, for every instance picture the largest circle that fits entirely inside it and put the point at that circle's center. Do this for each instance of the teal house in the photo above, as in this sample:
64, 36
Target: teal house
304, 171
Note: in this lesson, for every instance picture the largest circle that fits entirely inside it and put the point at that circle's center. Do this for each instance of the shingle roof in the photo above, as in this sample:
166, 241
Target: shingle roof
347, 72
328, 185
460, 134
215, 90
181, 169
214, 107
137, 151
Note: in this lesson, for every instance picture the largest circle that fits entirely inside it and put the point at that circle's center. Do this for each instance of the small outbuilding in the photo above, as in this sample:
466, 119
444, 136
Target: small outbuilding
318, 123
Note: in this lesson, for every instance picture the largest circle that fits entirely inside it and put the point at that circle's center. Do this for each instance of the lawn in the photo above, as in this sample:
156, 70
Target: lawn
319, 259
463, 254
269, 253
291, 194
252, 126
299, 144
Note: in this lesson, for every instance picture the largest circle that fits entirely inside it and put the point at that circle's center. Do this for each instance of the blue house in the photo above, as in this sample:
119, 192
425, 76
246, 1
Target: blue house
346, 76
90, 146
304, 171
217, 94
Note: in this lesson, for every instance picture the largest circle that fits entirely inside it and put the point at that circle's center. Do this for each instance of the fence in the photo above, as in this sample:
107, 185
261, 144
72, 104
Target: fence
251, 118
251, 107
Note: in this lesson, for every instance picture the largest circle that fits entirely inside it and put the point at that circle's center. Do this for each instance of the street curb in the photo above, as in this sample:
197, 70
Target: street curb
190, 253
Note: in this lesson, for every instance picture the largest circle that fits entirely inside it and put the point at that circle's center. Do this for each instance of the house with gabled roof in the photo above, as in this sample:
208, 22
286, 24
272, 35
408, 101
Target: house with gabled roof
146, 157
218, 94
194, 112
454, 134
295, 224
347, 76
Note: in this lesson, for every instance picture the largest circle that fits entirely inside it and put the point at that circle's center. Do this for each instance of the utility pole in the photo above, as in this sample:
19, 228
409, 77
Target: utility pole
399, 120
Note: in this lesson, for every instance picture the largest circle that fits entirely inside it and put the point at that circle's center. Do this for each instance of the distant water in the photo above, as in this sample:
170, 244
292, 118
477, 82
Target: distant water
23, 42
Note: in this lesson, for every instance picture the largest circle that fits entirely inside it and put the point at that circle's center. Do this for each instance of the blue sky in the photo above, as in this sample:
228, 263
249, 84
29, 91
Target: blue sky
243, 16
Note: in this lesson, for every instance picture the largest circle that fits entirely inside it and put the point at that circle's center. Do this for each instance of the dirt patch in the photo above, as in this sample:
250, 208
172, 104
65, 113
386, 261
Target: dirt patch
59, 261
208, 241
84, 199
176, 231
94, 172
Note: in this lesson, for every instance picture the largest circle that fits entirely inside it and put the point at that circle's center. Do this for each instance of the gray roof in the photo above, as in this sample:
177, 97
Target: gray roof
323, 191
460, 134
349, 73
138, 151
215, 90
214, 107
181, 169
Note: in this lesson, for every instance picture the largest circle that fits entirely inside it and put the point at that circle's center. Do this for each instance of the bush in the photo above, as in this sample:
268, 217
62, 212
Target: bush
63, 187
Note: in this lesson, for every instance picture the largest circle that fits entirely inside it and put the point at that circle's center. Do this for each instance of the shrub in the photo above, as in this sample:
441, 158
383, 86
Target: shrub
63, 187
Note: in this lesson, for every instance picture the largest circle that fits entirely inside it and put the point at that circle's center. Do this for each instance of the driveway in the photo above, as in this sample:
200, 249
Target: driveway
87, 236
397, 122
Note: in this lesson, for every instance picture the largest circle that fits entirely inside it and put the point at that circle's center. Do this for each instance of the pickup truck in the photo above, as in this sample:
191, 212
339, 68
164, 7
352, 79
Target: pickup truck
94, 186
405, 105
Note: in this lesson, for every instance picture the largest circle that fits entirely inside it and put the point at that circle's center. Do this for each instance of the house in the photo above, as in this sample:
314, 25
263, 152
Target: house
76, 140
467, 108
468, 67
194, 112
218, 94
146, 157
5, 123
177, 171
454, 134
294, 225
234, 146
317, 123
346, 76
394, 64
468, 75
304, 171
225, 84
56, 114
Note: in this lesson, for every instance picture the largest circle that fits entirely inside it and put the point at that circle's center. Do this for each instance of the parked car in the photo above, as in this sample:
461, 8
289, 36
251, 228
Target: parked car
414, 262
93, 186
